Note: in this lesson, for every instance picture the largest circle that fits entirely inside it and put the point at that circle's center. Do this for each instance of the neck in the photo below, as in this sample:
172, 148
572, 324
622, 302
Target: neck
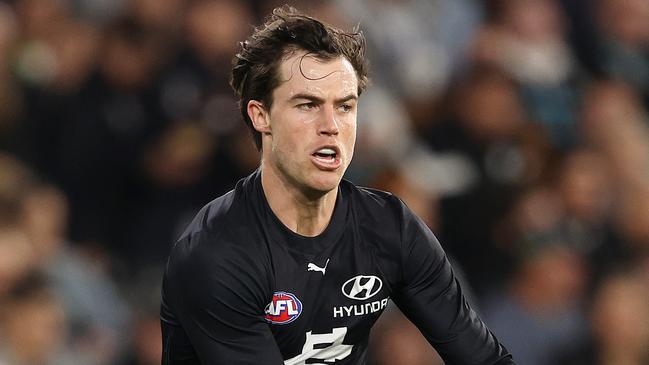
304, 212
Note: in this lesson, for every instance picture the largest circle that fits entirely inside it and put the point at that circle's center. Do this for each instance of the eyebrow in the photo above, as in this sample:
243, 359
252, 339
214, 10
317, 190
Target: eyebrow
319, 100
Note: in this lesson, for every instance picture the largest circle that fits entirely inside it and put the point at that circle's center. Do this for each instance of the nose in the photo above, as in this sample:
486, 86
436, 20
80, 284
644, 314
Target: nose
328, 125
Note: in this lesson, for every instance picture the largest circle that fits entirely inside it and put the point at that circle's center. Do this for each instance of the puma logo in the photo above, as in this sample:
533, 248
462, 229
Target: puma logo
313, 267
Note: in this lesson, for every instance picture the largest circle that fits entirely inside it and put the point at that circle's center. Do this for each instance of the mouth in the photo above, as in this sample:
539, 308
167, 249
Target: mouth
327, 158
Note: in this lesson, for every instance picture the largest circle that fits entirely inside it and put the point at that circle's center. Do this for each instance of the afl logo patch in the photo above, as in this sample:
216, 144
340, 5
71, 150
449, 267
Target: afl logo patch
283, 309
362, 287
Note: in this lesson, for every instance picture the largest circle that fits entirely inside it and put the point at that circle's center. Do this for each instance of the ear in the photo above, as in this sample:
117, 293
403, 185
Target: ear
259, 116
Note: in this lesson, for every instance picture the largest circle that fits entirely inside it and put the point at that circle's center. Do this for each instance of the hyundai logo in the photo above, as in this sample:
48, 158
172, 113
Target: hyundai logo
362, 287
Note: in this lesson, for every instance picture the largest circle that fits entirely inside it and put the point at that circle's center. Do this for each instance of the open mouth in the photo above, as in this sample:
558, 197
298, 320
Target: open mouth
326, 155
327, 158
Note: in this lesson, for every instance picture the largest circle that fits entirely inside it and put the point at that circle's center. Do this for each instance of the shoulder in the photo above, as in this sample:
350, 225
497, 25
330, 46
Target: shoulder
218, 254
376, 205
214, 215
224, 214
387, 216
381, 218
370, 198
220, 231
220, 248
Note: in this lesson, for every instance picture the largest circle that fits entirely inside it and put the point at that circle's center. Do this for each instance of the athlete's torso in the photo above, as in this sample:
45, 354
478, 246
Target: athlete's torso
323, 293
341, 288
241, 288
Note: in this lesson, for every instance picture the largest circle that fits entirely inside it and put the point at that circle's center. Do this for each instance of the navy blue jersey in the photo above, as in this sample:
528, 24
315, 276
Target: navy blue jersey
242, 288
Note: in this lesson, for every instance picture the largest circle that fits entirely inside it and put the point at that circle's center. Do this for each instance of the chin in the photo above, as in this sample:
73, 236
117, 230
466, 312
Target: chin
325, 183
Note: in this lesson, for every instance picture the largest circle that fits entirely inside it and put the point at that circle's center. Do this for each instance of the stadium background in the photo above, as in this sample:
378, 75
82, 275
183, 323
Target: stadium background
517, 129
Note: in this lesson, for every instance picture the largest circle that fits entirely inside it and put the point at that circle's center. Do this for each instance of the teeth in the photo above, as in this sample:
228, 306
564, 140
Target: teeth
326, 151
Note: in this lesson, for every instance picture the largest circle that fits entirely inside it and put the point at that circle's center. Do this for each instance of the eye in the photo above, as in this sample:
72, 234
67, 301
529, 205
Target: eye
346, 108
307, 106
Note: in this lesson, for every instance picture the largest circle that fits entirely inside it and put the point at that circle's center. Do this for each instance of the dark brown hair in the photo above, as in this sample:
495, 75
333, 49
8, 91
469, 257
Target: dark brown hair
255, 66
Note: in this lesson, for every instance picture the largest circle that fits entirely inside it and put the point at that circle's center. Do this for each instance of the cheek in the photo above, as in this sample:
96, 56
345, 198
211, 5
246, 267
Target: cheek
289, 136
308, 119
350, 133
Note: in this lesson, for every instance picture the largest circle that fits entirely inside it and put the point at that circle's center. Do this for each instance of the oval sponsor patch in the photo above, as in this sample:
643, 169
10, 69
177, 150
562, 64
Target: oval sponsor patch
283, 309
362, 287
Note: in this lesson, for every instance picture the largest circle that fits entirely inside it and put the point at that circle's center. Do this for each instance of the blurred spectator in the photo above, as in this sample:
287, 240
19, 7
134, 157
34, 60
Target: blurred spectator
214, 28
33, 326
146, 345
176, 177
619, 318
16, 257
486, 124
527, 39
632, 222
16, 252
33, 237
106, 125
95, 312
10, 100
586, 186
587, 190
163, 16
395, 340
624, 42
615, 123
39, 17
8, 33
539, 314
383, 134
386, 138
415, 46
612, 113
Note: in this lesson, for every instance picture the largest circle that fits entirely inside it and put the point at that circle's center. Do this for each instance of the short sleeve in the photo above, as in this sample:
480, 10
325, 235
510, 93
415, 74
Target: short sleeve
212, 306
431, 297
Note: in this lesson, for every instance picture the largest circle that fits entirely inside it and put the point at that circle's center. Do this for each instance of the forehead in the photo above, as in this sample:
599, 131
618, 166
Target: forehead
302, 72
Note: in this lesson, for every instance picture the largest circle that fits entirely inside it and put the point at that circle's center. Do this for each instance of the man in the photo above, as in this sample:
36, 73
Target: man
295, 265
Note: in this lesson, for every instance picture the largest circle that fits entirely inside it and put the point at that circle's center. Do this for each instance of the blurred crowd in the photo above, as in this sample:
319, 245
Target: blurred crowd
517, 129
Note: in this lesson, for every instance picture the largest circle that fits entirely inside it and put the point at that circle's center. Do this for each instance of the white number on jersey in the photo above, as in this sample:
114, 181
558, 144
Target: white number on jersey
328, 354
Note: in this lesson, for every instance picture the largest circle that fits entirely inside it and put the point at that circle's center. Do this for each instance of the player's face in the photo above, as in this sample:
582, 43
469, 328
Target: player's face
313, 122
